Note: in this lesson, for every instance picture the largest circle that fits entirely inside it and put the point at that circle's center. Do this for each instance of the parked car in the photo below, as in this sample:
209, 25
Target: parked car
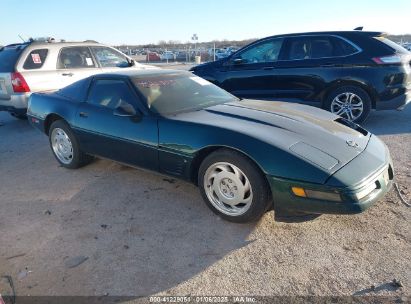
167, 55
348, 73
182, 56
243, 154
153, 56
38, 66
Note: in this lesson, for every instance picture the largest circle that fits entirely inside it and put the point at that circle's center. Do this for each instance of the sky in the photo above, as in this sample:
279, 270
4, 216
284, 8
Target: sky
117, 22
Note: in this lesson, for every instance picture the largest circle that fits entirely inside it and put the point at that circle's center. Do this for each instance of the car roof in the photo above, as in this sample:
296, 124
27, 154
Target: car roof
143, 73
342, 33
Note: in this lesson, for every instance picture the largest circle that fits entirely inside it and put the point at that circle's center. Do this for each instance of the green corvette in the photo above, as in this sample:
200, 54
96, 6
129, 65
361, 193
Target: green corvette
246, 156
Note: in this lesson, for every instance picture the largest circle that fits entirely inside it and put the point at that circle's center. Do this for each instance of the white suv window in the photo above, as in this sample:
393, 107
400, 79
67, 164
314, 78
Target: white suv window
109, 57
75, 58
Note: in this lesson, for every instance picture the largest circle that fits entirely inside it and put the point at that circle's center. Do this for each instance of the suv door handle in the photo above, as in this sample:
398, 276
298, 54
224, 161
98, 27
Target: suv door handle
83, 114
67, 74
328, 65
268, 68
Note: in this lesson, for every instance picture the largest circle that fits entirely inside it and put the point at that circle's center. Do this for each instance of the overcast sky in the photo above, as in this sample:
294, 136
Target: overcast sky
116, 22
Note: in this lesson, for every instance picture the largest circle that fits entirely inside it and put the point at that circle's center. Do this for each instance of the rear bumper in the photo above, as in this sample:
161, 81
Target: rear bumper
398, 102
17, 103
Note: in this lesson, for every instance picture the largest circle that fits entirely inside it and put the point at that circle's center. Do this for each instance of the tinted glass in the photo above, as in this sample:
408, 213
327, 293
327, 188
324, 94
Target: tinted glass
344, 48
76, 91
110, 93
172, 93
310, 48
35, 59
267, 51
75, 58
9, 57
109, 57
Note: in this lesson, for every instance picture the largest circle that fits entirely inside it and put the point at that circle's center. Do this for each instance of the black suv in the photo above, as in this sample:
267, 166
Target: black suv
346, 72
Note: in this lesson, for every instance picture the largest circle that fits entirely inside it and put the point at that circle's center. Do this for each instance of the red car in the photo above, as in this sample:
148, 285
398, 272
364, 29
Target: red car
152, 56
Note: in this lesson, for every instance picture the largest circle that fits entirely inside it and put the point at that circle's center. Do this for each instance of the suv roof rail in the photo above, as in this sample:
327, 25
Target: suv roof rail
359, 28
90, 40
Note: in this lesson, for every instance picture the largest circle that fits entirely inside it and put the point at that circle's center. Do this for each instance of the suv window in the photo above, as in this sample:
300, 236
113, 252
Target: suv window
344, 48
309, 48
110, 93
9, 56
35, 59
267, 51
75, 58
109, 57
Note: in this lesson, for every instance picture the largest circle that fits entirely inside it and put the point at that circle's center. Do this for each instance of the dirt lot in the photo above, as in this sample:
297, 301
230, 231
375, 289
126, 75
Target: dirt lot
109, 229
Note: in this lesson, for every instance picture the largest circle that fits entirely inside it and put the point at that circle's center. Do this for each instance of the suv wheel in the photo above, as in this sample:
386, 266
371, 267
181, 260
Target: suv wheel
350, 102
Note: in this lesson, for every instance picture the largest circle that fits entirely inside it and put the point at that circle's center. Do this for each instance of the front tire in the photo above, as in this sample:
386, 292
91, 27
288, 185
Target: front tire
233, 187
65, 147
350, 102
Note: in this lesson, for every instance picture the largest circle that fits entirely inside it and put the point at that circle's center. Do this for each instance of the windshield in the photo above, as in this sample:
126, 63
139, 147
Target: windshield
179, 92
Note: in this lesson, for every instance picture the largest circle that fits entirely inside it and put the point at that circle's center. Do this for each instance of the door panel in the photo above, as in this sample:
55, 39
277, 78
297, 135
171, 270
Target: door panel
252, 72
126, 136
73, 64
124, 139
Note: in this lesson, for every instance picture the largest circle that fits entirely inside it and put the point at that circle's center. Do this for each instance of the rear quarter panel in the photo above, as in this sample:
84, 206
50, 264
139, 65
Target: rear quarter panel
41, 106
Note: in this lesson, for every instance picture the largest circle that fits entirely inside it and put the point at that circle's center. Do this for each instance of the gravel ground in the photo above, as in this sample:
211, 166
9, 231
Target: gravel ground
109, 229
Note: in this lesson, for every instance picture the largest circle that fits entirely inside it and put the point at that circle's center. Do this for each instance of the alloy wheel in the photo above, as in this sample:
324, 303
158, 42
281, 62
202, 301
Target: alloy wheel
348, 105
228, 188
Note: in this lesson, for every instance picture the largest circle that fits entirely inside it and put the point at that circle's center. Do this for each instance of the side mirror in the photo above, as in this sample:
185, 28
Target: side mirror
132, 62
125, 110
238, 61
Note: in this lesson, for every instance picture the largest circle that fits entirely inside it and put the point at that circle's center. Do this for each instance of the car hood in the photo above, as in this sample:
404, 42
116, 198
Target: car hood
312, 134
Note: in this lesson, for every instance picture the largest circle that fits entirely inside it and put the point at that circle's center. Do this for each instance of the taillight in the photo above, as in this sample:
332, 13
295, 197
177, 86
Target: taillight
19, 83
394, 59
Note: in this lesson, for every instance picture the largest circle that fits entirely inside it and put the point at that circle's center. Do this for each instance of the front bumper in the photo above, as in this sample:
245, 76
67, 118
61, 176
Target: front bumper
372, 169
285, 201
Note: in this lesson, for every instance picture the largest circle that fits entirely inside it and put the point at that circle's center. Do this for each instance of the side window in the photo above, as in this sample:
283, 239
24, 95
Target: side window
344, 48
267, 51
110, 93
75, 58
109, 57
300, 48
35, 59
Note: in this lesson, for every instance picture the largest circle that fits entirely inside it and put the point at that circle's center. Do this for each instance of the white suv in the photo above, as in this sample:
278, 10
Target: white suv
48, 66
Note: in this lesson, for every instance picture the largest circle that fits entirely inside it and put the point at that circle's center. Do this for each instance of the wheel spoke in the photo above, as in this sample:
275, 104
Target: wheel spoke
228, 188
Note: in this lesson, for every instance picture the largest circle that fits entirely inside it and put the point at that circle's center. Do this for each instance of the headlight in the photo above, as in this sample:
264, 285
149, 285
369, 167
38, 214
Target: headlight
320, 195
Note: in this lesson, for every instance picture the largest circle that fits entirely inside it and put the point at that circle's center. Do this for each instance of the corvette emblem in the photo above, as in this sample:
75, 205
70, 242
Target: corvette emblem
352, 143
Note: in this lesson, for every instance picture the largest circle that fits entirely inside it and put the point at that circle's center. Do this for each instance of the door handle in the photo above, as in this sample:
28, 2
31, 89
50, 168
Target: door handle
268, 68
83, 114
328, 65
67, 74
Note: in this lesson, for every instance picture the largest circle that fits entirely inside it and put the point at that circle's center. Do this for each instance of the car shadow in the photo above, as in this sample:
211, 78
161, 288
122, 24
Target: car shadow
389, 122
156, 232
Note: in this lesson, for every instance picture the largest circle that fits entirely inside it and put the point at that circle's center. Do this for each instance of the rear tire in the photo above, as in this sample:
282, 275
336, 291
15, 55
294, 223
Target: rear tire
350, 102
65, 146
233, 187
